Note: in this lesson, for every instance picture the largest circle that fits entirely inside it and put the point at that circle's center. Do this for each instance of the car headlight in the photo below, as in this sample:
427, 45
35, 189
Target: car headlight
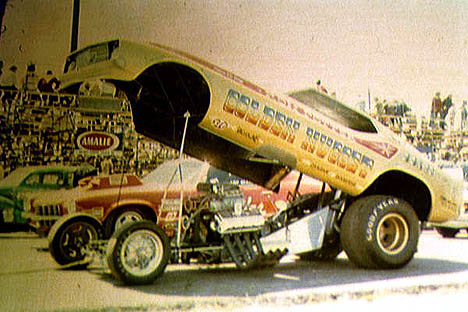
27, 205
71, 206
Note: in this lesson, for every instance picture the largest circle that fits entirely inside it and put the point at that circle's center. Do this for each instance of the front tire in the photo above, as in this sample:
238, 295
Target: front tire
69, 238
380, 232
138, 253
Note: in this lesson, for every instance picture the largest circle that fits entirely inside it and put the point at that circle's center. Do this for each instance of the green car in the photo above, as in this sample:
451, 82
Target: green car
23, 182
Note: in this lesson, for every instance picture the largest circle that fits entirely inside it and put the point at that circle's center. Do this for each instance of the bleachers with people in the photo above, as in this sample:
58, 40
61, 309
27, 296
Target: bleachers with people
42, 128
39, 128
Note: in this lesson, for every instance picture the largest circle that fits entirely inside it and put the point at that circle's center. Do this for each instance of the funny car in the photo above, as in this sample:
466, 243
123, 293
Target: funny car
382, 188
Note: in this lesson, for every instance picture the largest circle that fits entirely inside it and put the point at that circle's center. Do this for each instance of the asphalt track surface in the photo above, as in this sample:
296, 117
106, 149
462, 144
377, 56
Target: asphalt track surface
437, 279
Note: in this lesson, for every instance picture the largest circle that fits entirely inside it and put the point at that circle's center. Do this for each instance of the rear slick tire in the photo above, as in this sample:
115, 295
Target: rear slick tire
138, 253
380, 232
330, 250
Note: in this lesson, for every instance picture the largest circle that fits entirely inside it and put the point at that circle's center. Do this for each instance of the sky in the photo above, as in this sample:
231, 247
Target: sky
403, 50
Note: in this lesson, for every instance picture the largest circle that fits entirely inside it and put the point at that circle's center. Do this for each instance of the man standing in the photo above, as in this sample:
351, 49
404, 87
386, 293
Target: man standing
464, 115
436, 108
9, 80
320, 87
31, 80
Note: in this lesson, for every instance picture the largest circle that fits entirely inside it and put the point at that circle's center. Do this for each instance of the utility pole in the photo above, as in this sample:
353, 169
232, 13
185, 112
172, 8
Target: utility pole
3, 5
75, 25
369, 100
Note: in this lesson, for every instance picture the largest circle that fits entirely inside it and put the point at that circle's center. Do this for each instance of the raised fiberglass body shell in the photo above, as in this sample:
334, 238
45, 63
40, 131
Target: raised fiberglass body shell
244, 129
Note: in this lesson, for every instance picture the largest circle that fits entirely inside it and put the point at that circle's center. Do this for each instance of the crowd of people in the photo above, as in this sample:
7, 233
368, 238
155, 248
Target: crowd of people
440, 136
432, 136
31, 81
42, 128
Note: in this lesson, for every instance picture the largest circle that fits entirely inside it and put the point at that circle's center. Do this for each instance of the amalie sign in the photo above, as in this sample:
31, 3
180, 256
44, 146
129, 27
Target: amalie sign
97, 141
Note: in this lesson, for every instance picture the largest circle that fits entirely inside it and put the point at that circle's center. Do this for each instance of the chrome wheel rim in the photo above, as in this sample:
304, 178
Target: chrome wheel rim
392, 233
142, 252
127, 217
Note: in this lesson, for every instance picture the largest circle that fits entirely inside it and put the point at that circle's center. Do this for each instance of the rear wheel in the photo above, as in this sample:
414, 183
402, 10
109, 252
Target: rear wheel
138, 253
447, 232
380, 232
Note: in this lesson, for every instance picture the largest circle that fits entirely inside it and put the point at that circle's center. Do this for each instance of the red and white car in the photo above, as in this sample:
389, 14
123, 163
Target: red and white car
120, 198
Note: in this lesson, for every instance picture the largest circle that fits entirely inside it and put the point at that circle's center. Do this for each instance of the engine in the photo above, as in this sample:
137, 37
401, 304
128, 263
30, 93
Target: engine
220, 227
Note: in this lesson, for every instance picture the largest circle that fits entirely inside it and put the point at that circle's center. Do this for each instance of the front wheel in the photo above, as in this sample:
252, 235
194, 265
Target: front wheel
380, 232
138, 253
69, 239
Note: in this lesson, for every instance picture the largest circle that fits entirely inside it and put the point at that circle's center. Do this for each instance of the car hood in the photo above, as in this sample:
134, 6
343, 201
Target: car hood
57, 196
78, 193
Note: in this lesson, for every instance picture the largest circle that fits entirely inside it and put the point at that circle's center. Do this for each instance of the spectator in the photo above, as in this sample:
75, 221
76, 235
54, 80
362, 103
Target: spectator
320, 87
379, 107
9, 79
107, 166
446, 104
49, 83
436, 107
464, 115
31, 80
401, 108
9, 82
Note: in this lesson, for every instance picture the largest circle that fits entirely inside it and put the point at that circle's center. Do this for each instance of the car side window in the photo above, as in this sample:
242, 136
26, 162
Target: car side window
33, 179
335, 110
53, 179
117, 180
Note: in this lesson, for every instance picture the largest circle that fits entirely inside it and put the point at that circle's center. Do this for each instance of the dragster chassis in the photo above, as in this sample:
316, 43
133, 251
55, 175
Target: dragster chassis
138, 252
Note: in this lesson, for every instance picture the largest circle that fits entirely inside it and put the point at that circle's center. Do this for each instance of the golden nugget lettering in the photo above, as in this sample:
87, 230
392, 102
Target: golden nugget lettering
264, 117
285, 127
337, 153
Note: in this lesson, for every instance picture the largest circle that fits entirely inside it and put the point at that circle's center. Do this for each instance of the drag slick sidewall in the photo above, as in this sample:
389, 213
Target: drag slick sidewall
364, 231
116, 253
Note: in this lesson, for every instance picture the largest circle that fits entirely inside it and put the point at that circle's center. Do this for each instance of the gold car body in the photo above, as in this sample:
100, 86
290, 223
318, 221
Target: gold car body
322, 138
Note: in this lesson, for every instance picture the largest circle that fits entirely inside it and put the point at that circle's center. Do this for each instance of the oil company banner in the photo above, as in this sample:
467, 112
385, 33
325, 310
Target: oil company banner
96, 142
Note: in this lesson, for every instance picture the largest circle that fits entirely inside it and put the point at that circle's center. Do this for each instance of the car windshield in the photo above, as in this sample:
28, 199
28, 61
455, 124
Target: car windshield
168, 173
16, 177
334, 110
